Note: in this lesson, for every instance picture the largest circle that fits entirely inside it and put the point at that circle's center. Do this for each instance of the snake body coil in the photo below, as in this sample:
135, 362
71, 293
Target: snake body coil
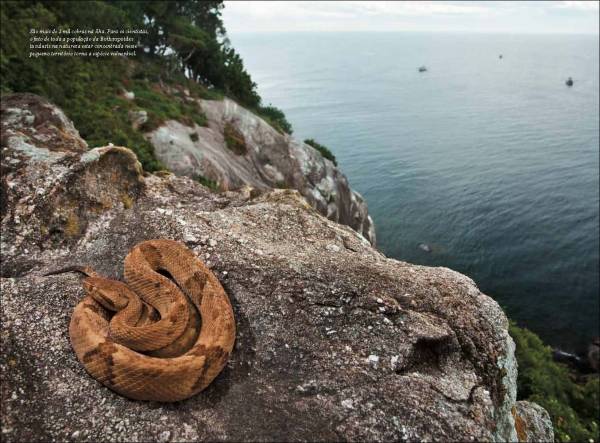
154, 338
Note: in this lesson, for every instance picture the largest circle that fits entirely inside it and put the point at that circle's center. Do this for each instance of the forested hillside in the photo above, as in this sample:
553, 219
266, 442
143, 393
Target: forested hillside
186, 46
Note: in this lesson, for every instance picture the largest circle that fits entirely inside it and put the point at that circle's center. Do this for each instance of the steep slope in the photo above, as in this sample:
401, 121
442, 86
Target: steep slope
237, 148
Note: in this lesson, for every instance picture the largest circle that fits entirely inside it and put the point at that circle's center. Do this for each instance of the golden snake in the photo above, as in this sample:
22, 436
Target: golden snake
154, 338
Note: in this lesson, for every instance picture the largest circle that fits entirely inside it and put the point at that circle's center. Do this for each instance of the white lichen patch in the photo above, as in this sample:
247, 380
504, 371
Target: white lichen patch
348, 403
14, 117
316, 197
19, 143
273, 173
373, 360
508, 368
327, 186
333, 248
90, 156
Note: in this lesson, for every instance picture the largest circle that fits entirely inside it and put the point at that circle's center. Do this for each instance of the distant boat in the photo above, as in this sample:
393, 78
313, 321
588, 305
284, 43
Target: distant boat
569, 82
422, 69
500, 56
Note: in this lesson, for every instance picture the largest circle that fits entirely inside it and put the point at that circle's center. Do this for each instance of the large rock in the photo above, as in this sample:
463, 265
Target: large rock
334, 340
30, 120
263, 159
532, 422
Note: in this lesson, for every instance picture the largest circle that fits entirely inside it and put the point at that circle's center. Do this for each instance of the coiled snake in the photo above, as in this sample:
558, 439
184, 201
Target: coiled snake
154, 338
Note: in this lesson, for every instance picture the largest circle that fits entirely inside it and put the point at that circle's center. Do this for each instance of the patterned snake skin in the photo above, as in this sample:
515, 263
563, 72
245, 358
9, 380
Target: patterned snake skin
154, 338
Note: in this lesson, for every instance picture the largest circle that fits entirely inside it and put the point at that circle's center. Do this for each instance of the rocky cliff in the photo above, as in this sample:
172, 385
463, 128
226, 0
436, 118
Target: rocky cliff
334, 340
237, 148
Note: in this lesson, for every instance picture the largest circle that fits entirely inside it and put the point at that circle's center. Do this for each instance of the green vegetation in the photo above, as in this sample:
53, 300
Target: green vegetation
207, 182
325, 152
274, 117
185, 55
161, 106
573, 407
234, 140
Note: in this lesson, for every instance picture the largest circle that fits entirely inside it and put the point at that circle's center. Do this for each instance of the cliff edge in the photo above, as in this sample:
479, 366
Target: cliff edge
334, 340
237, 148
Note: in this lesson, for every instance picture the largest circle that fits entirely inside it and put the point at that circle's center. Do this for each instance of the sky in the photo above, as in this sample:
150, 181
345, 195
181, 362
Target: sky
566, 17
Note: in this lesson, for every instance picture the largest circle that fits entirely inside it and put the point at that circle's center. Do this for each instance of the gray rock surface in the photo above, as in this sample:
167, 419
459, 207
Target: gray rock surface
532, 422
29, 120
334, 340
137, 118
271, 160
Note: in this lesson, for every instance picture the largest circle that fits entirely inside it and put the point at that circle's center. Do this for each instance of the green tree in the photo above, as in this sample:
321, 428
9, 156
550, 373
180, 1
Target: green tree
186, 46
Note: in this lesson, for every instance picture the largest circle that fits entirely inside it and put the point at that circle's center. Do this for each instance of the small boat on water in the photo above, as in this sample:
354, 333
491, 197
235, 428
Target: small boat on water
422, 69
569, 82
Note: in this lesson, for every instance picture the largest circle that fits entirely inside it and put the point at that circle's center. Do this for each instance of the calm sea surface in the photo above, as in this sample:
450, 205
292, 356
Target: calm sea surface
492, 162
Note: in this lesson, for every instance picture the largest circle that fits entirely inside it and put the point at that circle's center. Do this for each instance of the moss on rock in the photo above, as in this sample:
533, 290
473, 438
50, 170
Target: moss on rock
234, 139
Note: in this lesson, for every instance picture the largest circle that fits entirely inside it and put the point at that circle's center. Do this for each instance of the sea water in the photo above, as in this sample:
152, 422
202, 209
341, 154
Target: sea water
482, 164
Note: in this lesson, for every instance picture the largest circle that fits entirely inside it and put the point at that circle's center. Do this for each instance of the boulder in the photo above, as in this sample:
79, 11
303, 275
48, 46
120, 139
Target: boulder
29, 120
137, 117
334, 340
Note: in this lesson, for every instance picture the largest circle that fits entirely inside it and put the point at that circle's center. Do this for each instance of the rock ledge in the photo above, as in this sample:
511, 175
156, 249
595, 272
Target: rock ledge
334, 340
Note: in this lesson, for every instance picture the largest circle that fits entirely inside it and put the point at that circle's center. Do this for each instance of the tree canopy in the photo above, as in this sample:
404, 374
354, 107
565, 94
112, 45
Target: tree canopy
186, 45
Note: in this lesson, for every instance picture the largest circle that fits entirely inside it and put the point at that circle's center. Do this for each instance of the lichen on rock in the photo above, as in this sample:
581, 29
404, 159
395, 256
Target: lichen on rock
532, 422
29, 119
334, 340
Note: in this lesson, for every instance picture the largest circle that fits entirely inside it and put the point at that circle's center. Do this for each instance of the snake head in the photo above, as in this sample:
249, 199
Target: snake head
106, 292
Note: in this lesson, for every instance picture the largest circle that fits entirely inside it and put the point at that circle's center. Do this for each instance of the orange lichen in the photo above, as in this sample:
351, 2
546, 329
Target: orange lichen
126, 200
72, 227
520, 425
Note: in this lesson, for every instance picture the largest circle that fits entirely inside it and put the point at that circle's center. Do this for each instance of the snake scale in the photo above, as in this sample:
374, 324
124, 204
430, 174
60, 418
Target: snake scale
154, 338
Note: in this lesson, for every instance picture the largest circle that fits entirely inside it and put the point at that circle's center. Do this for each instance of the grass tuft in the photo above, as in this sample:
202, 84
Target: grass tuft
234, 140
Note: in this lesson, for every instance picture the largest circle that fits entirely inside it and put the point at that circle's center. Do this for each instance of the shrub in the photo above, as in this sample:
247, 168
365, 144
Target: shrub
573, 407
161, 106
274, 117
325, 152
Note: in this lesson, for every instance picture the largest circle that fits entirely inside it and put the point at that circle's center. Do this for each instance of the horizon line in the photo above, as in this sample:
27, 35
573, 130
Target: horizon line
445, 31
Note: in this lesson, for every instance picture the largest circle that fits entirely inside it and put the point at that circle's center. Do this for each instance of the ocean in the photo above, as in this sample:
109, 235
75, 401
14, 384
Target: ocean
492, 163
